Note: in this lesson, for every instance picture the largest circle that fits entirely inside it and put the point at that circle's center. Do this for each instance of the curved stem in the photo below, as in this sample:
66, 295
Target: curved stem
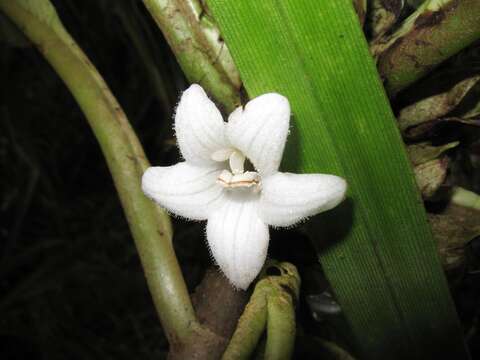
250, 327
150, 226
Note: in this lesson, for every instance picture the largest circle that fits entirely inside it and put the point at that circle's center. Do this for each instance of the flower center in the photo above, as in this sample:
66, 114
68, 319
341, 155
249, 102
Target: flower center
236, 177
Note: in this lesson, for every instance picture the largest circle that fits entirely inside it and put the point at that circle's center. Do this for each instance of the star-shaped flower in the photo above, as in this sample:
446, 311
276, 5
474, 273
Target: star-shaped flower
213, 183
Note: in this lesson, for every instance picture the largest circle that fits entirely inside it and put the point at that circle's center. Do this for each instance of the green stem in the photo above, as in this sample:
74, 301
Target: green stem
250, 326
271, 307
196, 42
280, 326
437, 30
150, 226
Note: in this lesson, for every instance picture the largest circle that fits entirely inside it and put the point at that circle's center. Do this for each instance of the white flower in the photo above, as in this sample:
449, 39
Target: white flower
213, 183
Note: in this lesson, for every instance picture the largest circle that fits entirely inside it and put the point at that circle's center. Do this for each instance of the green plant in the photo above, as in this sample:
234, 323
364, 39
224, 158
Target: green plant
377, 250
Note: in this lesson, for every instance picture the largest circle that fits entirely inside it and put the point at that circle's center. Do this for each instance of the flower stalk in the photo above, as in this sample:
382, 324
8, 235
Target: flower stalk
149, 224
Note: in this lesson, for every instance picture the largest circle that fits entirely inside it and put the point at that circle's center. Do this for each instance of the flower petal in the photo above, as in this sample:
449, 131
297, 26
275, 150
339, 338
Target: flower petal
238, 239
260, 131
184, 189
289, 198
199, 127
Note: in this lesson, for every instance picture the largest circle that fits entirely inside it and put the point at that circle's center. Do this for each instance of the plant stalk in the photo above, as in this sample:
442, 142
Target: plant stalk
150, 226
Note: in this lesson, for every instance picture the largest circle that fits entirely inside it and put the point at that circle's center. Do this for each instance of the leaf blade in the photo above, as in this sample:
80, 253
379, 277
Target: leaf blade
387, 277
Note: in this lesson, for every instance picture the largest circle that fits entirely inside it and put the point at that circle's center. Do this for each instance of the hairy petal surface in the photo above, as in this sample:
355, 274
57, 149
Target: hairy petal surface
238, 239
199, 127
289, 198
260, 131
184, 189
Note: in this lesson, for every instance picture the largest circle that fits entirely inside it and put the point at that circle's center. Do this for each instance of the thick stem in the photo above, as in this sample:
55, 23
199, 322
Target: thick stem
435, 31
198, 47
150, 226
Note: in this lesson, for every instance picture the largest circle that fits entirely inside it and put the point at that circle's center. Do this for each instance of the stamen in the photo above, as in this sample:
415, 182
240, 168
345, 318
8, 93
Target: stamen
237, 159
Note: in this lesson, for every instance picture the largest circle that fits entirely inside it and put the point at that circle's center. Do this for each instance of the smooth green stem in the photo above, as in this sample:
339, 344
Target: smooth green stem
250, 327
280, 327
437, 30
198, 47
150, 226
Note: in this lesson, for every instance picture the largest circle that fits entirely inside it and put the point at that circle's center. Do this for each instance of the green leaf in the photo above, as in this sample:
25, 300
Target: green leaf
381, 258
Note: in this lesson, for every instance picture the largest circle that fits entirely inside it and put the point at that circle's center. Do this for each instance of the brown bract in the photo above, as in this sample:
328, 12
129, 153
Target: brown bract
436, 31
